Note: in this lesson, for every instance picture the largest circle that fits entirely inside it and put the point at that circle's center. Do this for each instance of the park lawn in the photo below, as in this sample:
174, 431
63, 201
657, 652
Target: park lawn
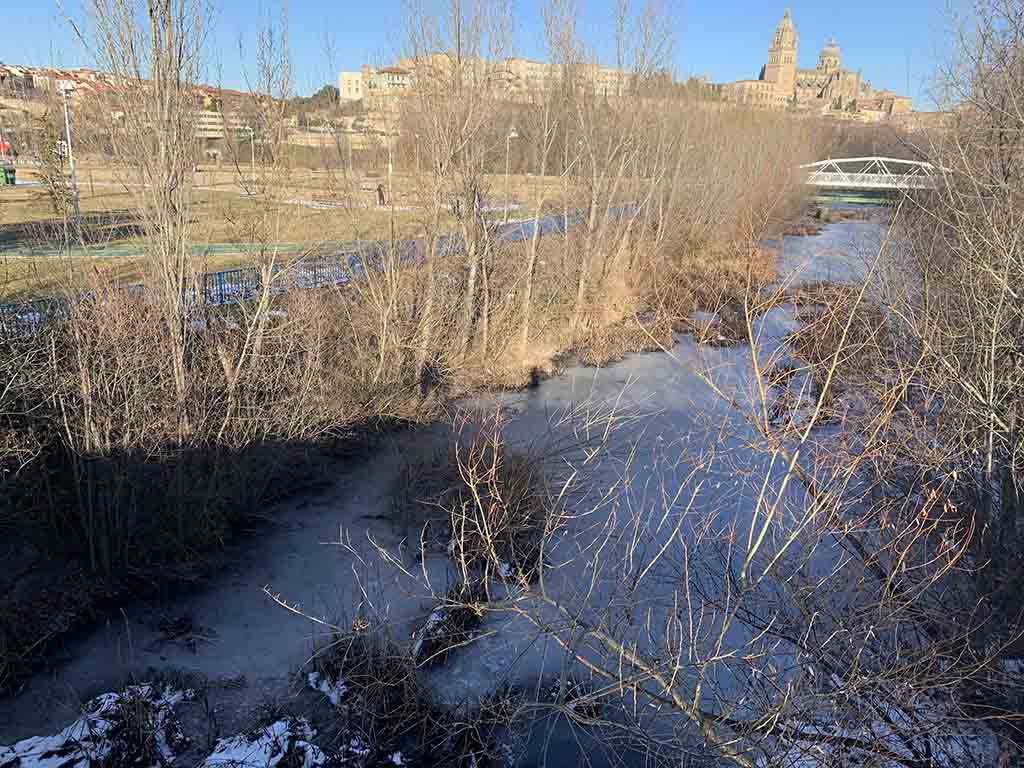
218, 217
221, 215
224, 217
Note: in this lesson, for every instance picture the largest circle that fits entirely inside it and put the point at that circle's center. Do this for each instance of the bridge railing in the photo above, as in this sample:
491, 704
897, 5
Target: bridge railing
870, 180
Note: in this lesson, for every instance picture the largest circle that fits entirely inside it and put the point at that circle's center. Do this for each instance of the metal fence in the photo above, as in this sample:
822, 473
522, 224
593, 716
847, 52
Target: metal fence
341, 264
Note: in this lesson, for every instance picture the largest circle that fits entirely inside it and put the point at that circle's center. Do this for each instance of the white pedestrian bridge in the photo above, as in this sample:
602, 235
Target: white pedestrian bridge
870, 173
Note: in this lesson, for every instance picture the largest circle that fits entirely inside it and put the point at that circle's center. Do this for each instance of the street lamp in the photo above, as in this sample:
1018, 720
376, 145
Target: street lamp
252, 150
333, 130
390, 138
3, 144
64, 88
508, 148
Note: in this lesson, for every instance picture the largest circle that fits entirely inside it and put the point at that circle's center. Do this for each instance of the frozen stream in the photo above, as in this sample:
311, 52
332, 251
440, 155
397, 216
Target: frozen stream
241, 637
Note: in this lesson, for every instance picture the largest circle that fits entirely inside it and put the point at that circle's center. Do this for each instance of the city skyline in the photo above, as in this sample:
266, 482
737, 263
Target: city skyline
897, 44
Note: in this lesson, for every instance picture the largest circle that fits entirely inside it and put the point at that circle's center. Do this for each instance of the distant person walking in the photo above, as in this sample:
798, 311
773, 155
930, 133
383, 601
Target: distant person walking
380, 194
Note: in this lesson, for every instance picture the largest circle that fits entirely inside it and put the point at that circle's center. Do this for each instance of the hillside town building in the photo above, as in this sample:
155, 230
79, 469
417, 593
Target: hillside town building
516, 78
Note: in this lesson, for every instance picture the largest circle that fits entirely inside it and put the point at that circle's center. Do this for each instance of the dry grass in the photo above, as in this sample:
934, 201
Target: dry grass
452, 624
606, 344
380, 676
825, 310
713, 280
225, 217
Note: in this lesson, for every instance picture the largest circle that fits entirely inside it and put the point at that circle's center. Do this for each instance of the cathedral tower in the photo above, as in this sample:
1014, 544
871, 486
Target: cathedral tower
781, 67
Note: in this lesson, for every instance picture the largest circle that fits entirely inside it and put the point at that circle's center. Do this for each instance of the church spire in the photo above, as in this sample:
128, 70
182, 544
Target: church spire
781, 66
785, 37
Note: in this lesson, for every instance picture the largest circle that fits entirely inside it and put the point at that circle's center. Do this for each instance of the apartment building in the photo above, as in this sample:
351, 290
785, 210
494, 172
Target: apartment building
518, 78
350, 86
386, 83
526, 76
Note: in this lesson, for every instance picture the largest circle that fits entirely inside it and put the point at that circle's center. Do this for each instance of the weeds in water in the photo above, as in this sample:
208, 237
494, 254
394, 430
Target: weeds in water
577, 699
377, 680
482, 500
839, 328
386, 710
451, 625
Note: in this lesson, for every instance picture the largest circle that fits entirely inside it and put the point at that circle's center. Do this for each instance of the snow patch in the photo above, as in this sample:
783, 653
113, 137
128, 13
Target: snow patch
354, 753
334, 690
925, 727
427, 632
289, 739
104, 733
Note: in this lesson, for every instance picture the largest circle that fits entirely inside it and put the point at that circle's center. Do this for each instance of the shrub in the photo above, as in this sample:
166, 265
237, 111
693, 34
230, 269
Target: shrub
383, 699
485, 501
386, 710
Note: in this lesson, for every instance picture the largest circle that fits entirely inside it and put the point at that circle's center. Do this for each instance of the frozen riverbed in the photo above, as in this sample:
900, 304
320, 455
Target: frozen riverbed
233, 634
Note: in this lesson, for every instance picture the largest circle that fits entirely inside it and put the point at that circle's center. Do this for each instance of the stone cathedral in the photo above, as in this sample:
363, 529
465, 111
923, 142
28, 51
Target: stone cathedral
826, 89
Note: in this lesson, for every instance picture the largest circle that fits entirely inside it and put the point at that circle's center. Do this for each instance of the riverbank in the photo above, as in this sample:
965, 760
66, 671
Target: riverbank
134, 519
232, 634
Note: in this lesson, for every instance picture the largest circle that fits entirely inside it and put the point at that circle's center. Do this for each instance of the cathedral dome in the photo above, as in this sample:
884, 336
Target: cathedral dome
828, 59
831, 49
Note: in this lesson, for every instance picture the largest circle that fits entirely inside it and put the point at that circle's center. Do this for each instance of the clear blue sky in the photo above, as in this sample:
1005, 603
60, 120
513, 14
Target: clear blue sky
895, 43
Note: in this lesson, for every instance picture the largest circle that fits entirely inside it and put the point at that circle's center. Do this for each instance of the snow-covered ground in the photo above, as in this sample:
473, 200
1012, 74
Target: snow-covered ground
104, 734
245, 642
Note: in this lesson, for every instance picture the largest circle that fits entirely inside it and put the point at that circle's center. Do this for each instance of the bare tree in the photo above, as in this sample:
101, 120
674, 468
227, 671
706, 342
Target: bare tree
458, 71
153, 54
